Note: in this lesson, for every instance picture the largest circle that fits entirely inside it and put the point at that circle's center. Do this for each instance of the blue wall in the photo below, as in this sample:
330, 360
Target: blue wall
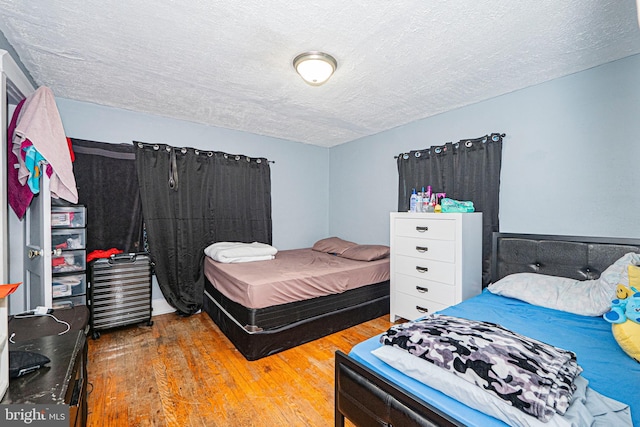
570, 160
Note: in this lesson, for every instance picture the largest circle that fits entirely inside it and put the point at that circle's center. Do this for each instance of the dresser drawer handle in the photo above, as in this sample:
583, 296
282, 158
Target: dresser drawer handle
422, 249
422, 309
420, 229
421, 289
421, 269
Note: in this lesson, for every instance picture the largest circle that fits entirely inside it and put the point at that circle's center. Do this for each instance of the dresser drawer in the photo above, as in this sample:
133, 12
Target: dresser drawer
421, 288
410, 307
427, 228
438, 250
426, 269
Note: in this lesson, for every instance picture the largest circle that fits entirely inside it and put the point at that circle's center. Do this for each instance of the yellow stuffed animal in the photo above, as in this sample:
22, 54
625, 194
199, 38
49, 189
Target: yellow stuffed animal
627, 336
627, 333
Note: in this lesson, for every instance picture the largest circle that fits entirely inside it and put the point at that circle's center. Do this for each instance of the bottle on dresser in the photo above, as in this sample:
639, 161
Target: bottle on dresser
426, 201
413, 201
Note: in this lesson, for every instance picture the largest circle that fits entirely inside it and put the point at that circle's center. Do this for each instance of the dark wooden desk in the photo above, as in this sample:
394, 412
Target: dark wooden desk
63, 381
27, 328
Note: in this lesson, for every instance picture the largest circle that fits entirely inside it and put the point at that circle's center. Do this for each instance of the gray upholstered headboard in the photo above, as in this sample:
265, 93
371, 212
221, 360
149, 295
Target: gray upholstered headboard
576, 257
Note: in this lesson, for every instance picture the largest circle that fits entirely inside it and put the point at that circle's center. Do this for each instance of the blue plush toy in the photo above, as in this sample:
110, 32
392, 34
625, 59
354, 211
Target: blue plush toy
623, 309
617, 312
633, 308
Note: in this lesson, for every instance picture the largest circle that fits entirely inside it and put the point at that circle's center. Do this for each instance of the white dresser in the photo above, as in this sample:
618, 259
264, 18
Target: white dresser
436, 261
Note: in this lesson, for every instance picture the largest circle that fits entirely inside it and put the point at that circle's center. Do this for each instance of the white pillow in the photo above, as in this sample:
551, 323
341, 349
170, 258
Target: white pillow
584, 297
232, 252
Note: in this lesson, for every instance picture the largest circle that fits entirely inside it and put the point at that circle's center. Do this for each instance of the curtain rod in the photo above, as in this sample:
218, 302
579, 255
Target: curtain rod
468, 140
197, 151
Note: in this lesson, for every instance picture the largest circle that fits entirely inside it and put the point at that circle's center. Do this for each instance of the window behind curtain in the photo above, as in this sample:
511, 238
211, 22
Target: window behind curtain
108, 186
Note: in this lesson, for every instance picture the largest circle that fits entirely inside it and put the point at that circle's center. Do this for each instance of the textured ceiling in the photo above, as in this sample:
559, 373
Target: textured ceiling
227, 63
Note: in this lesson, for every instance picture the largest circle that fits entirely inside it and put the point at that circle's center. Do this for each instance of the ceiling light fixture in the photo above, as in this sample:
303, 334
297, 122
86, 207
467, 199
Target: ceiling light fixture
315, 67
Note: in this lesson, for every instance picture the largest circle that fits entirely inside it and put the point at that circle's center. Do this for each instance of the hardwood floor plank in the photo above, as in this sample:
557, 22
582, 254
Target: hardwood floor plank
185, 372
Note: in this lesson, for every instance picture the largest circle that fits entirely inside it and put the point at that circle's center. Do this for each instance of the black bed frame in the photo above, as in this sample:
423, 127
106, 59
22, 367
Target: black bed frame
288, 325
368, 399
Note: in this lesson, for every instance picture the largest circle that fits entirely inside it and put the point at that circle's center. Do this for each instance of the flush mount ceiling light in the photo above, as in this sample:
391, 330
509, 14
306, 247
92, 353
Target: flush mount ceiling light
315, 67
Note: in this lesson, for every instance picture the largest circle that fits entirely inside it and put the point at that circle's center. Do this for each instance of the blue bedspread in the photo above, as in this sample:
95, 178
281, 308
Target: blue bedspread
607, 368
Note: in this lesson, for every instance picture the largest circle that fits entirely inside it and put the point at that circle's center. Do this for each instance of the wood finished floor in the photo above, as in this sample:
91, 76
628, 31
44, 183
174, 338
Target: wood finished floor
185, 372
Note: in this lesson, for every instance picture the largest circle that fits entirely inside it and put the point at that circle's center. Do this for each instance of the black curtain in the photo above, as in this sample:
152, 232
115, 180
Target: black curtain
107, 184
465, 170
192, 198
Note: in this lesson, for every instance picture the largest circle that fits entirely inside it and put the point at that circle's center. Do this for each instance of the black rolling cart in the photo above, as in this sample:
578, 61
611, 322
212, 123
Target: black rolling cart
119, 291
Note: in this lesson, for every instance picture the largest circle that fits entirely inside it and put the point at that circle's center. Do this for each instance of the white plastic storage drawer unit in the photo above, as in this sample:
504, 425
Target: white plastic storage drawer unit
436, 261
69, 255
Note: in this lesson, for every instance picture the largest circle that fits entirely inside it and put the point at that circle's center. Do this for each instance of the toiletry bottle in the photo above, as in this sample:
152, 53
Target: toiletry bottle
413, 201
438, 208
432, 202
426, 199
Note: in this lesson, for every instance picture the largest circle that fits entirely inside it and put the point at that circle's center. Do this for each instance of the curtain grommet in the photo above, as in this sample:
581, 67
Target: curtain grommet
183, 150
405, 156
156, 147
210, 154
468, 144
438, 150
417, 154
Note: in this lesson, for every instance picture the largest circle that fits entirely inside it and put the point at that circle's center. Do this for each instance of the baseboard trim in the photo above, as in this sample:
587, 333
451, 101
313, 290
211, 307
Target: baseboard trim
161, 306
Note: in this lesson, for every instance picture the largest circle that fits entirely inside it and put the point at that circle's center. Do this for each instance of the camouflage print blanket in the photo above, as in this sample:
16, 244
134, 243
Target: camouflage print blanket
532, 376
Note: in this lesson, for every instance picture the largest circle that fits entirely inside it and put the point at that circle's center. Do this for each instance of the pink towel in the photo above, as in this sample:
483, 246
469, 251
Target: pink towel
40, 122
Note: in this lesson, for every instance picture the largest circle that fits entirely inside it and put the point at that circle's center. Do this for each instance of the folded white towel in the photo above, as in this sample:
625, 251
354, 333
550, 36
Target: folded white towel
228, 252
